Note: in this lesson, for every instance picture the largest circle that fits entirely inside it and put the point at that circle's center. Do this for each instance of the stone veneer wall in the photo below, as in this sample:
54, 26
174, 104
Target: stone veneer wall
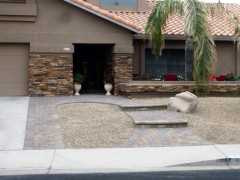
122, 67
146, 87
50, 75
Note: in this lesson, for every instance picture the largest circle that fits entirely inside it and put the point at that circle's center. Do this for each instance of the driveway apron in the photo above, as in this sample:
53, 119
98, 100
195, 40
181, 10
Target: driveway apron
13, 119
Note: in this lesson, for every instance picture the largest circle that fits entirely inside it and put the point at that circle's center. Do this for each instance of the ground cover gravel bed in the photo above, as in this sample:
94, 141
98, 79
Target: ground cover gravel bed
216, 120
94, 125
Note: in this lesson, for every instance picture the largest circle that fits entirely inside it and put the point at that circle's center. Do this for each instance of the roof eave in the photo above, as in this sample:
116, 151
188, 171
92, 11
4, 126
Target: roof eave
182, 37
103, 16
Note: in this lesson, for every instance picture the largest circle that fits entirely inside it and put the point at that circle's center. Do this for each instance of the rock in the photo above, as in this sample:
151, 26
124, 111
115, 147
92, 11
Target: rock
185, 102
187, 96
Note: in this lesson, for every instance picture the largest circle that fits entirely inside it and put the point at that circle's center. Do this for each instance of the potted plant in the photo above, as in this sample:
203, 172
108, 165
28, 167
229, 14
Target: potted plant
108, 81
78, 80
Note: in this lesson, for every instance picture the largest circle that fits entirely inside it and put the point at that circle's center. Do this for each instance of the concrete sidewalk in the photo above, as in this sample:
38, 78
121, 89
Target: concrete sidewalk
117, 160
13, 120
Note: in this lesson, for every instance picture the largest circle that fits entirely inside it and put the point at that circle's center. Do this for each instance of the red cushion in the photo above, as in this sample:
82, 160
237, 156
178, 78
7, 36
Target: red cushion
170, 77
221, 77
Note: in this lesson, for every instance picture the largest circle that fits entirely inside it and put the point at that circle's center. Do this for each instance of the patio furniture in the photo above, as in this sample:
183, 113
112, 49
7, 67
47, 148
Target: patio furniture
221, 77
170, 77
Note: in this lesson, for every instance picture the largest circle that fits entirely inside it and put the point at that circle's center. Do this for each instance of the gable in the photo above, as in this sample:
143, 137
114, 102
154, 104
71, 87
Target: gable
104, 14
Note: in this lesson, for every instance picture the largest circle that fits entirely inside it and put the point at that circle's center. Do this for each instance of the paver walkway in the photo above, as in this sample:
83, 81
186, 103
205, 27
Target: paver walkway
43, 128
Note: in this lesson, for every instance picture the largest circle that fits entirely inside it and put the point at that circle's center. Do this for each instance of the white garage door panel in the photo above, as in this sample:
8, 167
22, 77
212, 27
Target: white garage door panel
14, 69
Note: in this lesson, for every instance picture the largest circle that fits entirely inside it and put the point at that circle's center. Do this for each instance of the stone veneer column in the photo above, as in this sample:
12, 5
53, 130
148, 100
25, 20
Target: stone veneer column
122, 67
50, 74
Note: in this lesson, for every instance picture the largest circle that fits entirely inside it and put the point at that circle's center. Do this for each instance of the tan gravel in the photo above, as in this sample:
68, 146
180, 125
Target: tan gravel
93, 125
216, 120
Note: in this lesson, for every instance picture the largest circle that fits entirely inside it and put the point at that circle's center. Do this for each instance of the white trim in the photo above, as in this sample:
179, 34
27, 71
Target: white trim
103, 16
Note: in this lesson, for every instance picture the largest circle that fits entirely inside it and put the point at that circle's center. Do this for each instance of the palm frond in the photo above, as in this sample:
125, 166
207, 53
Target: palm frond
157, 22
197, 27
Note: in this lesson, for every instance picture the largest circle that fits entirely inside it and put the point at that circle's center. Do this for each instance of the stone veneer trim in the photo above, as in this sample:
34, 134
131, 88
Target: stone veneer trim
122, 69
50, 74
151, 87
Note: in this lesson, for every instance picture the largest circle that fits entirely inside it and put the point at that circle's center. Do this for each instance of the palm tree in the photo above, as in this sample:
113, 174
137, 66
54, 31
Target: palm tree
200, 50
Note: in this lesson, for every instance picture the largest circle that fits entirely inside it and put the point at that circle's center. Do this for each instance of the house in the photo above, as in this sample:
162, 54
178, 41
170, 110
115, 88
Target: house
44, 42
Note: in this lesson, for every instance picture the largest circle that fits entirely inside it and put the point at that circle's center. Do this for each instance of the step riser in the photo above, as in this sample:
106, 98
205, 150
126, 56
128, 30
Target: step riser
160, 126
144, 108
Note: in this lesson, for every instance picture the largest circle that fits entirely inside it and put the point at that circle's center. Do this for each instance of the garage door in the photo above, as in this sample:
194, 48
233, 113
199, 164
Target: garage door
14, 69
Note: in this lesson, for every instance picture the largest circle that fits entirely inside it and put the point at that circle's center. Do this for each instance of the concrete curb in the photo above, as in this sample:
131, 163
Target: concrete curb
64, 161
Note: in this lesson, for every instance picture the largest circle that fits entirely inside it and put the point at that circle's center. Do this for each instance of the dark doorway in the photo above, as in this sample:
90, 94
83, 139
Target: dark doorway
92, 61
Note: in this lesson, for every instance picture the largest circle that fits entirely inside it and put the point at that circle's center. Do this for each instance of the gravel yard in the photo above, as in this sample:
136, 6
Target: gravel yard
94, 125
216, 120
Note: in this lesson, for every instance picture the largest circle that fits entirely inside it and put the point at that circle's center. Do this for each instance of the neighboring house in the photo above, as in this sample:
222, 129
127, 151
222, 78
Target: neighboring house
43, 42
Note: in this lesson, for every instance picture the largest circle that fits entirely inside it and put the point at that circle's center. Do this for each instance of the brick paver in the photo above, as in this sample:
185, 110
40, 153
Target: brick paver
156, 137
43, 128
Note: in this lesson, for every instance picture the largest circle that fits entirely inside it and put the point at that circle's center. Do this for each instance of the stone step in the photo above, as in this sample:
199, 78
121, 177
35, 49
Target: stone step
145, 107
157, 119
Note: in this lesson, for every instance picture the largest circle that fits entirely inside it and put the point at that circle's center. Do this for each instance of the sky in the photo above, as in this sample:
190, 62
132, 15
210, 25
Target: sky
223, 1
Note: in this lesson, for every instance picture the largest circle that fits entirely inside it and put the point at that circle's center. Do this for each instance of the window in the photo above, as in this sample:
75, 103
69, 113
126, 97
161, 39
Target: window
118, 2
171, 61
12, 1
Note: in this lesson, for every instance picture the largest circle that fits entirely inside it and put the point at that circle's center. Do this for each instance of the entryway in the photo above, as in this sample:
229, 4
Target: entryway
93, 61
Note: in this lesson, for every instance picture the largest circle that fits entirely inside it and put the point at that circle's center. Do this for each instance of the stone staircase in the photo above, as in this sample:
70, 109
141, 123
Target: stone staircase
154, 116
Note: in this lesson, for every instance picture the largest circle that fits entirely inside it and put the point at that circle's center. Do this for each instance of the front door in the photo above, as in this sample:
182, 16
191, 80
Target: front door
92, 61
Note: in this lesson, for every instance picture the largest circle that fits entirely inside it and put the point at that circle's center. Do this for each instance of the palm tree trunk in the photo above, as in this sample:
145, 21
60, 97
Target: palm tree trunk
188, 60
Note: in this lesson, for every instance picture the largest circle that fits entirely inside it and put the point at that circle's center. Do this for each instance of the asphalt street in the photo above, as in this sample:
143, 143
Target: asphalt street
163, 175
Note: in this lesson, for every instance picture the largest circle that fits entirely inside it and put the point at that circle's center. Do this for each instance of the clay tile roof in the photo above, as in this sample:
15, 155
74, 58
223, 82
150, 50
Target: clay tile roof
219, 25
137, 20
108, 14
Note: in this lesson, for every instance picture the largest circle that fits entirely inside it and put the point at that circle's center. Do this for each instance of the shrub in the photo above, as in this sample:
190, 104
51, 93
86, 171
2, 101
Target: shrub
180, 78
231, 77
79, 78
144, 77
109, 79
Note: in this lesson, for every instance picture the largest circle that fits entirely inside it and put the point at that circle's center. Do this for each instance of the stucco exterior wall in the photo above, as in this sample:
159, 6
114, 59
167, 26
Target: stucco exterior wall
59, 25
226, 58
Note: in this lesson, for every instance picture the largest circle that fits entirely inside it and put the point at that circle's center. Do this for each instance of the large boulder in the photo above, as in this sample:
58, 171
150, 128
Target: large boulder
185, 102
